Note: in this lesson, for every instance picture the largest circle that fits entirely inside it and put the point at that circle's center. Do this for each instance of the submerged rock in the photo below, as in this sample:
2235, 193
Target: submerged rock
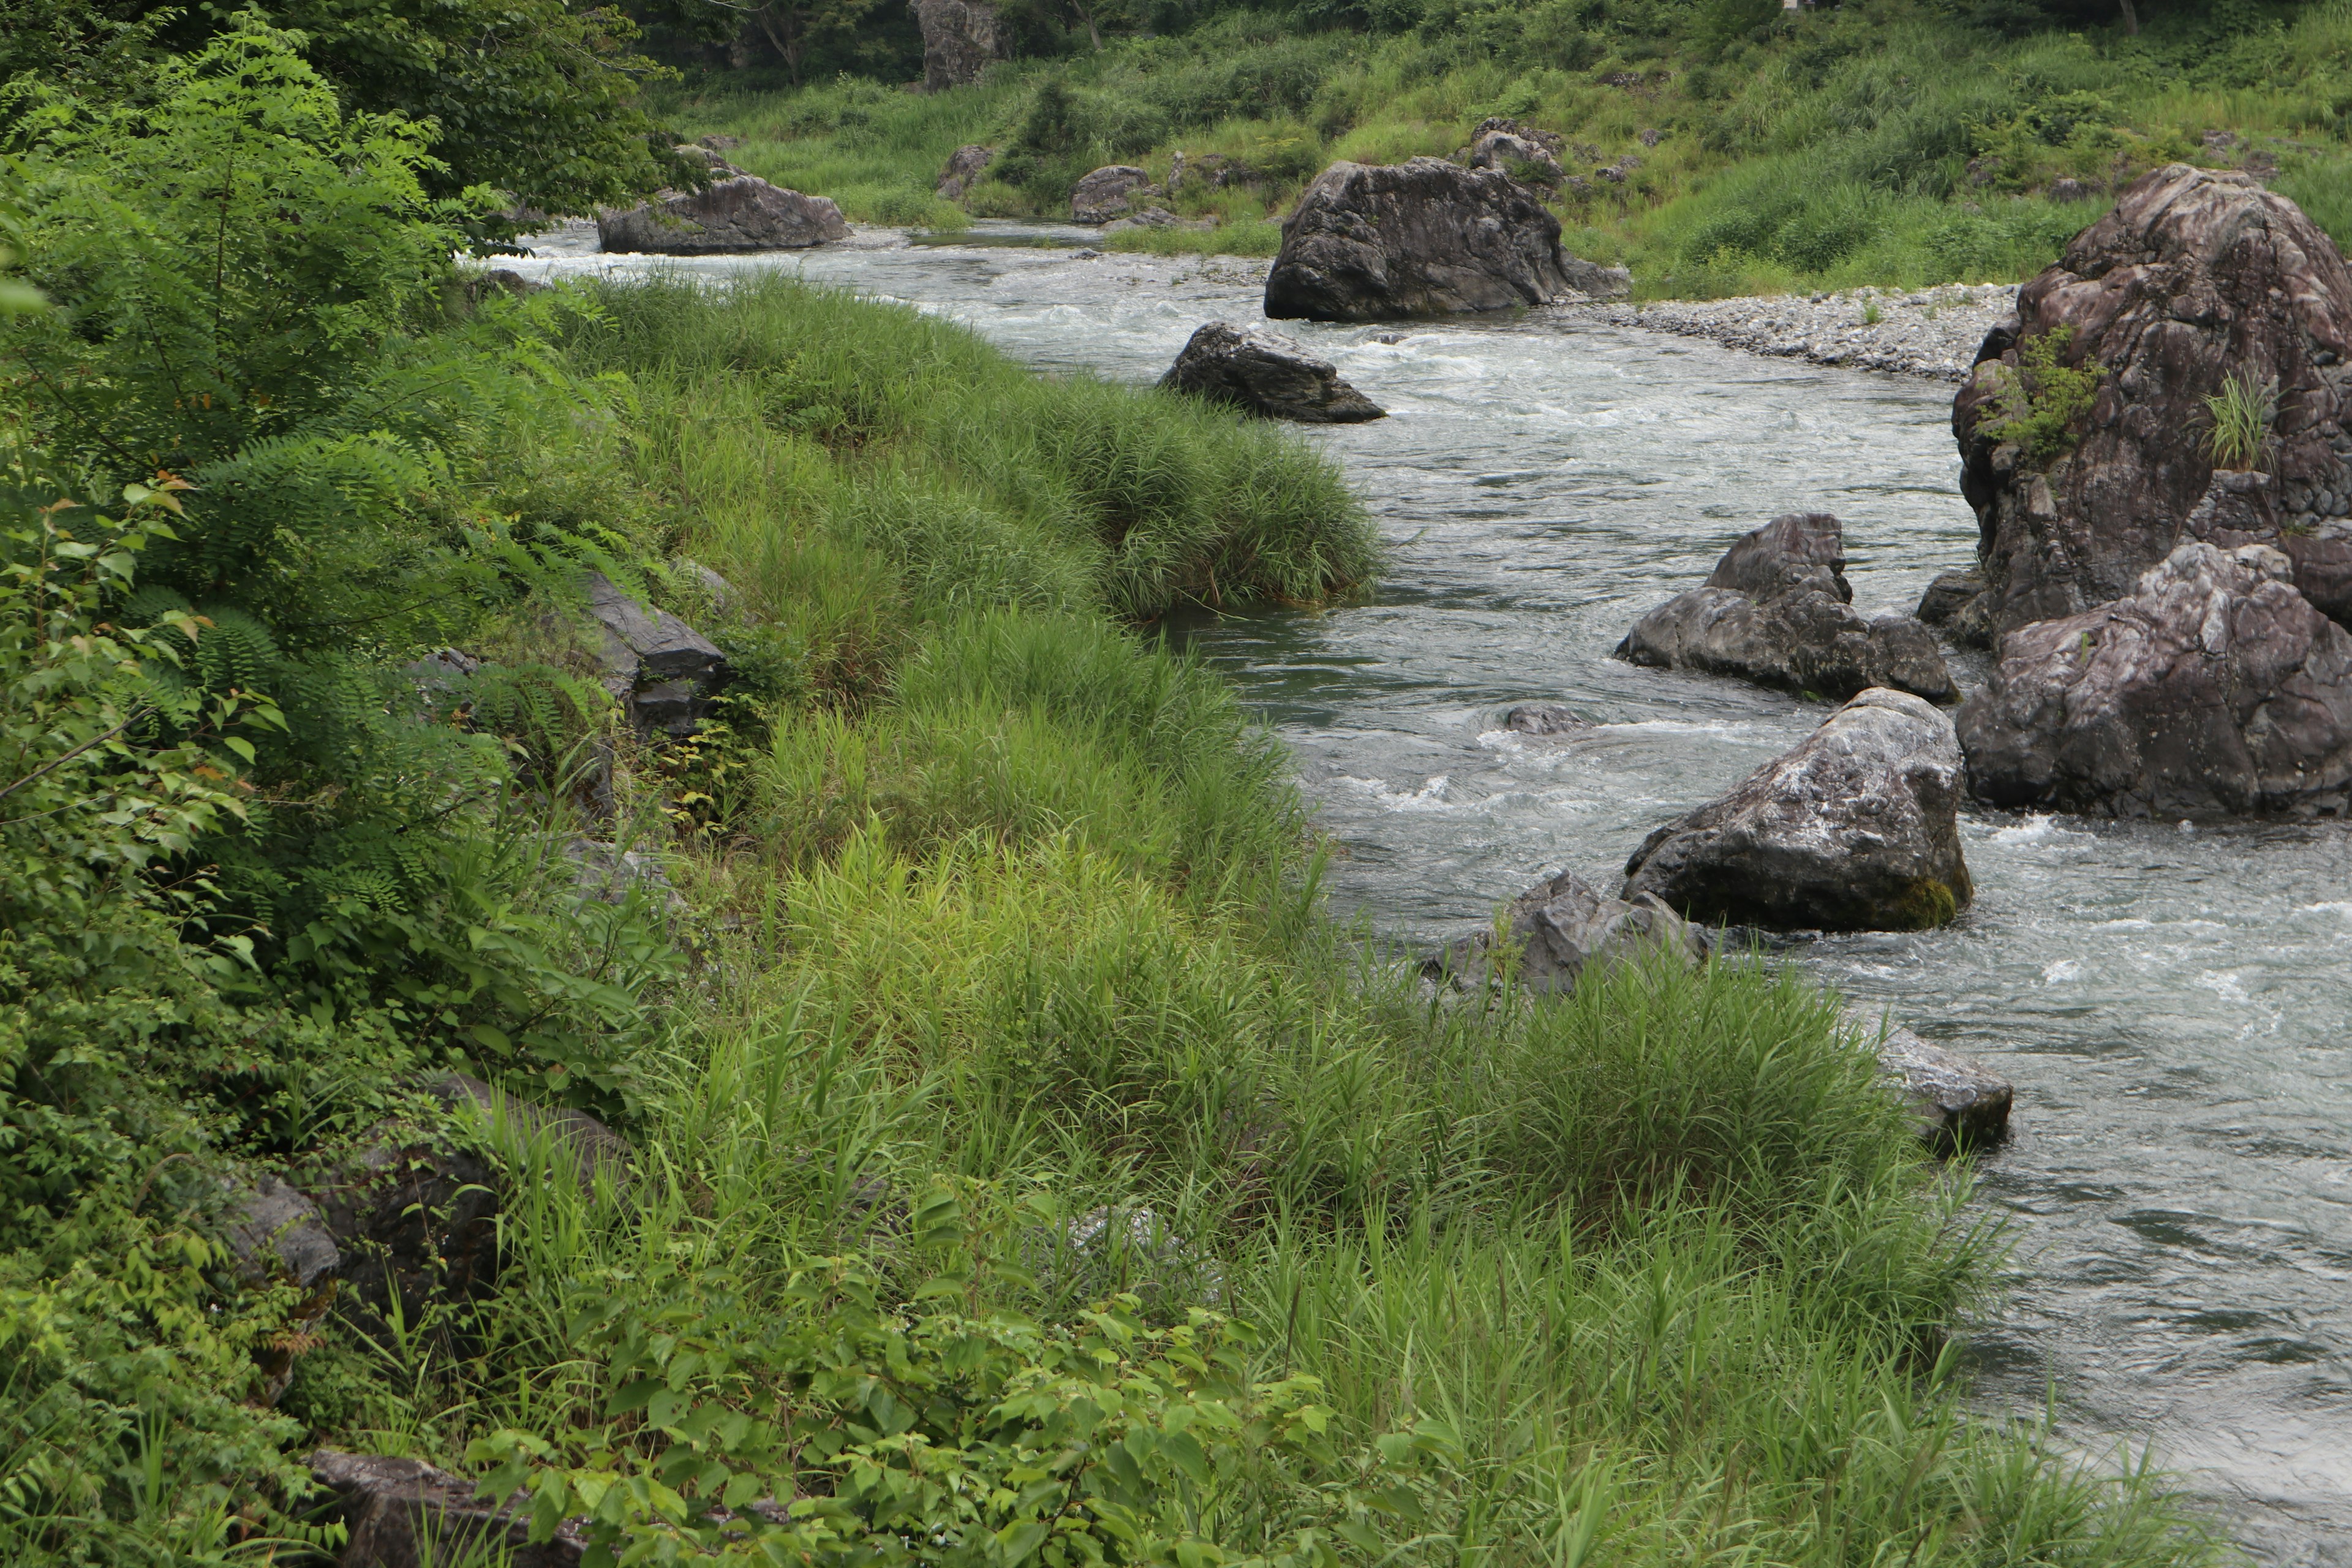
403, 1513
728, 216
1545, 718
1960, 1103
2194, 277
1266, 373
2215, 688
1856, 829
1562, 928
1776, 612
961, 39
1107, 192
1370, 242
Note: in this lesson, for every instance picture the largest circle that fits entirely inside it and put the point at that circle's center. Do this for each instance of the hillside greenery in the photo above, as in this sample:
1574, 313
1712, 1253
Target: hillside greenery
1715, 148
1024, 1166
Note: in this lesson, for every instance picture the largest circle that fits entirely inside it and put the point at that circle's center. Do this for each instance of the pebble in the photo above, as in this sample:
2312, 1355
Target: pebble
1934, 332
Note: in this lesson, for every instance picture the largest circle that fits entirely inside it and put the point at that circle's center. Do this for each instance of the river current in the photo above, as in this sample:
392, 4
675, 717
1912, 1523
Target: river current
2170, 1001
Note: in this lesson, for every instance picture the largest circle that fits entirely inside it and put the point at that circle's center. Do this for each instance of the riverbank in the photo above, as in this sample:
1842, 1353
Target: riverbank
1932, 332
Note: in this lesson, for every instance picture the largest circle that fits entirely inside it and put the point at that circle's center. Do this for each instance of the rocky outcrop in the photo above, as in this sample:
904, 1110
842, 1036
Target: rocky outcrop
727, 218
1266, 373
1857, 828
663, 670
1373, 242
1959, 1103
2216, 688
1959, 604
403, 1513
1546, 718
2193, 276
1107, 192
964, 167
961, 39
1776, 611
2242, 507
1564, 926
1517, 150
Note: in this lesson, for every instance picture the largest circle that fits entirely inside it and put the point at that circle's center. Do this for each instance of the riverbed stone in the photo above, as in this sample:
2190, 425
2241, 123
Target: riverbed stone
1107, 192
1958, 1103
728, 216
1855, 828
1776, 611
1546, 718
2195, 276
961, 38
1426, 237
1959, 604
1266, 373
2215, 689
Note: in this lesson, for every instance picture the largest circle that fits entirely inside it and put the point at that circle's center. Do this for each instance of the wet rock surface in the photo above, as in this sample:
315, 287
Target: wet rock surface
403, 1513
961, 39
1375, 242
730, 217
1960, 1103
2193, 278
1775, 611
1547, 719
665, 670
1107, 192
1959, 604
2215, 689
1266, 373
1856, 829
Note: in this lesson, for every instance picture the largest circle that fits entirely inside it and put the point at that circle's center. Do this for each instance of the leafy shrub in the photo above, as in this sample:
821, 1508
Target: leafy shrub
2042, 399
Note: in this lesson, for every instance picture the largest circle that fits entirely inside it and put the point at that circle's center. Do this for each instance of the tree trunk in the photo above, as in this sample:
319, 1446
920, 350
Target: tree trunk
791, 40
2131, 19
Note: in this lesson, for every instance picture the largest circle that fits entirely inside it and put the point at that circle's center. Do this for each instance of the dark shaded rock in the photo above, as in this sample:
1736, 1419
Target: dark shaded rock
1266, 373
1960, 1103
403, 1513
740, 214
961, 39
276, 1233
1371, 242
2192, 277
1544, 718
965, 165
1517, 150
1107, 192
595, 1149
2216, 688
1958, 604
1856, 829
664, 669
1775, 611
1563, 927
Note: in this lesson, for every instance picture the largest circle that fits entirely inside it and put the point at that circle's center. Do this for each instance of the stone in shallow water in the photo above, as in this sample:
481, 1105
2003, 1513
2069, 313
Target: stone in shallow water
1960, 1103
729, 217
1563, 927
1266, 373
1545, 718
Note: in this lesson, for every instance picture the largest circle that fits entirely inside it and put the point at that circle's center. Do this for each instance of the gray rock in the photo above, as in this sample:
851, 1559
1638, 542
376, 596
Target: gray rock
595, 1150
961, 39
664, 669
729, 217
276, 1233
965, 165
1107, 192
1545, 718
2215, 689
2240, 508
1563, 927
1775, 611
703, 157
403, 1513
1960, 1103
2070, 190
1372, 242
1958, 604
1856, 829
1511, 148
1266, 373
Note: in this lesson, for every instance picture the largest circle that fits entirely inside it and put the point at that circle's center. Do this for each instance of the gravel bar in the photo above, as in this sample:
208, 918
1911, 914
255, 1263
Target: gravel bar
1934, 332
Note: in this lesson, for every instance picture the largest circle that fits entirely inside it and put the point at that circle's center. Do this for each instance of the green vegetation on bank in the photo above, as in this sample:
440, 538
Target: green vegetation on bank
1025, 1168
1714, 147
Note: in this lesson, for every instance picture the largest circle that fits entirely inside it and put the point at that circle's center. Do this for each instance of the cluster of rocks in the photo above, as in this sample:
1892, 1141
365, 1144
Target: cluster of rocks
1778, 611
1932, 332
2171, 635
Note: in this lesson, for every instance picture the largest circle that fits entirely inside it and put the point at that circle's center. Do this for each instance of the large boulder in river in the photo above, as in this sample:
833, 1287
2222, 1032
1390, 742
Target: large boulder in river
1776, 610
1563, 927
1106, 193
1373, 242
961, 39
2216, 688
1266, 373
1857, 828
2193, 278
726, 217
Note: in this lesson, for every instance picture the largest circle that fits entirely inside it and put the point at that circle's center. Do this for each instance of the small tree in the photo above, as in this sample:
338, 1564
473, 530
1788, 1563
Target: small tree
794, 26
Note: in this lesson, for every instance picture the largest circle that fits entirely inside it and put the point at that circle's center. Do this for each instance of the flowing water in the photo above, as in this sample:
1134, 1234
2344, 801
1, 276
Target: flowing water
2170, 1001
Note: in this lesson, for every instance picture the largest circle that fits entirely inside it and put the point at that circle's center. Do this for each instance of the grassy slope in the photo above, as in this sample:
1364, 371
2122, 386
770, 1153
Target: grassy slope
1872, 143
993, 892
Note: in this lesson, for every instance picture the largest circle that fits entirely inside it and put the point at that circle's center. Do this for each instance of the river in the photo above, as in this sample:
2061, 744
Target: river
2170, 1001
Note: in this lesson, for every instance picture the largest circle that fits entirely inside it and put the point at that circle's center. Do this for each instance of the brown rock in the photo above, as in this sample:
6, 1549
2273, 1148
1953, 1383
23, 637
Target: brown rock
2193, 276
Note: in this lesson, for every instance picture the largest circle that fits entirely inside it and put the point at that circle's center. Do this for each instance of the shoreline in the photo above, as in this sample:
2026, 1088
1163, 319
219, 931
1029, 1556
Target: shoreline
1929, 332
